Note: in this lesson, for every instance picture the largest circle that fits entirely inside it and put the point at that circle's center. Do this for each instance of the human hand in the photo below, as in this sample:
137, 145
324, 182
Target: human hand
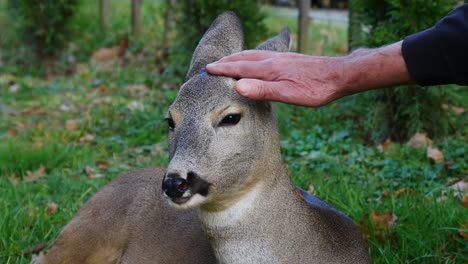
284, 77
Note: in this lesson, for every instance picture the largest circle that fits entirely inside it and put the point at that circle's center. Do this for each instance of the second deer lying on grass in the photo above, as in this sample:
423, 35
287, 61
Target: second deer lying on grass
224, 160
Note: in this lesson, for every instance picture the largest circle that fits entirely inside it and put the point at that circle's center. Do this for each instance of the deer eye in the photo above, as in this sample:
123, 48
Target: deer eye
170, 123
230, 120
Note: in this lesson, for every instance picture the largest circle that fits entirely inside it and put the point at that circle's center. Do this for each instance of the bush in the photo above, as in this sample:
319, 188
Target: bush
43, 26
195, 17
399, 112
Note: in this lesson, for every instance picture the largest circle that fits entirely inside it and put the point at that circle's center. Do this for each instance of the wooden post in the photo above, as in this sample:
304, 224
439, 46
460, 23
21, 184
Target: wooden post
354, 27
303, 39
136, 18
104, 9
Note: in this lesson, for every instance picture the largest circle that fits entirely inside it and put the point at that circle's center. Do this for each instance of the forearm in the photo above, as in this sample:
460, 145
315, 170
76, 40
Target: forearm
367, 69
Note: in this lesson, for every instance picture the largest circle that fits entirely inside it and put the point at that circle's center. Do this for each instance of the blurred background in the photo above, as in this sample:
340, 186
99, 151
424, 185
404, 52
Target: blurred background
84, 85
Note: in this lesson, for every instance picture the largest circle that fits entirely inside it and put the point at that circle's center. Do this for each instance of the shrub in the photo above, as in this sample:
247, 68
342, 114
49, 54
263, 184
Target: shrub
399, 112
43, 26
195, 17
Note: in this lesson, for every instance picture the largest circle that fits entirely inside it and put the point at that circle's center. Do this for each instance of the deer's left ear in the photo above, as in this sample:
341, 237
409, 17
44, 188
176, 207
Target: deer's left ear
282, 42
223, 38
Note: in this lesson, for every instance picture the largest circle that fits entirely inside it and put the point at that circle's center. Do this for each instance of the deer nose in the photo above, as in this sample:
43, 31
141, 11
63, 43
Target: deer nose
174, 186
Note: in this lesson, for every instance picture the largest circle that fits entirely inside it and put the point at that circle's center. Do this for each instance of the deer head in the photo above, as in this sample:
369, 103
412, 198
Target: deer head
220, 143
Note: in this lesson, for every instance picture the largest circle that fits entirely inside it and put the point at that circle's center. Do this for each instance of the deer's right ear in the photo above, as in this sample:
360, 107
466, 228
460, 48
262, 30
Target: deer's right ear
223, 38
282, 42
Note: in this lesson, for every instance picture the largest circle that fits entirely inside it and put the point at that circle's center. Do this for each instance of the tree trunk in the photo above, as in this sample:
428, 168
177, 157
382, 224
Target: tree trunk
303, 39
169, 22
104, 9
136, 18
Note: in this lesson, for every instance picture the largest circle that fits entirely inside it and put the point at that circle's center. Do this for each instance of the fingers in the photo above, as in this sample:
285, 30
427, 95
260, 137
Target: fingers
249, 55
263, 70
263, 90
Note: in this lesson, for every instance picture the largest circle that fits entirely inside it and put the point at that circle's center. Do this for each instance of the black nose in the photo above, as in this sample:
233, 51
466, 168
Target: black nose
174, 186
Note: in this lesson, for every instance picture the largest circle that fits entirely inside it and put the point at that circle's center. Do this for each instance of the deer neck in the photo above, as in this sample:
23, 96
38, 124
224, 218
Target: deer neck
272, 187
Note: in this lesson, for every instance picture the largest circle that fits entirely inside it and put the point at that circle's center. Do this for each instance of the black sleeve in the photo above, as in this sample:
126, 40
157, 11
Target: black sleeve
439, 55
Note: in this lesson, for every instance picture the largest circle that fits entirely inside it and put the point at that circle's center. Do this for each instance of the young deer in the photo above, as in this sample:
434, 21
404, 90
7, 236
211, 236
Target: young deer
225, 161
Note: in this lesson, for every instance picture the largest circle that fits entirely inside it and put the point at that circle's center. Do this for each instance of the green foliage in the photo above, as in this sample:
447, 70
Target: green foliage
43, 24
400, 112
195, 17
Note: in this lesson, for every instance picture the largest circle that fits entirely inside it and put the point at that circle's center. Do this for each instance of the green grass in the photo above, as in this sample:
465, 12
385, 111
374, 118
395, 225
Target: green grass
327, 148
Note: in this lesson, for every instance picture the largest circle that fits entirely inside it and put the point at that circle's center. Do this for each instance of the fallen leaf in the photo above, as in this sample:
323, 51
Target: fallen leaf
384, 221
102, 100
66, 108
463, 230
456, 109
35, 249
435, 155
51, 208
461, 185
86, 139
71, 125
102, 89
386, 143
102, 164
419, 140
135, 106
12, 132
465, 200
33, 111
378, 226
37, 174
14, 88
15, 179
311, 189
158, 149
401, 191
90, 173
137, 90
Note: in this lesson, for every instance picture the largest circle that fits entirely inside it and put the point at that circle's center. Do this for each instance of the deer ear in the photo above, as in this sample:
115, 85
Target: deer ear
282, 42
224, 37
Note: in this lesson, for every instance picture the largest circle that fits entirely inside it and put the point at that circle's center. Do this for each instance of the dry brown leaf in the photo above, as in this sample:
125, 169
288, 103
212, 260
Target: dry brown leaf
102, 164
102, 89
12, 132
456, 109
137, 90
102, 100
378, 226
71, 125
33, 111
383, 221
461, 185
86, 139
51, 208
386, 143
401, 191
37, 174
15, 179
465, 200
435, 155
90, 173
462, 231
158, 149
419, 140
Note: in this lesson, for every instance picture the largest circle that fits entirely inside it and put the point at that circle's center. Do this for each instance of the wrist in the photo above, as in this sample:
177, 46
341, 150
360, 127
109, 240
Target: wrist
367, 69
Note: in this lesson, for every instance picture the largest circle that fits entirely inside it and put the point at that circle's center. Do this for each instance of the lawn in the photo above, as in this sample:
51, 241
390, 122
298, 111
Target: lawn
64, 138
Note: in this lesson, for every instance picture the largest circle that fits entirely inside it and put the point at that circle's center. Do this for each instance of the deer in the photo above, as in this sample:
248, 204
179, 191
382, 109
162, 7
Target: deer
225, 196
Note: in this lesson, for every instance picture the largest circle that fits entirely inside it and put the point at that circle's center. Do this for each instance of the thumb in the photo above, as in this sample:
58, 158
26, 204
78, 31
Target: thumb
254, 89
